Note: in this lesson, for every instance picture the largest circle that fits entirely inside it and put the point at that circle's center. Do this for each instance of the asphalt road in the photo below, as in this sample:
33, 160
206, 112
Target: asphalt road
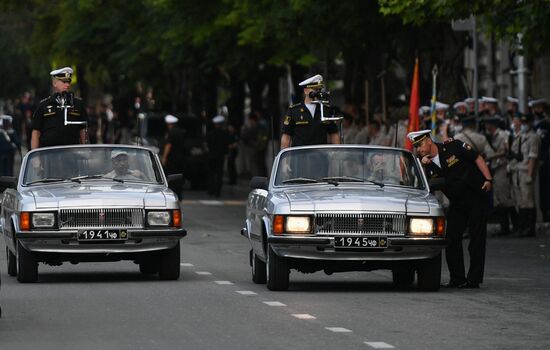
215, 305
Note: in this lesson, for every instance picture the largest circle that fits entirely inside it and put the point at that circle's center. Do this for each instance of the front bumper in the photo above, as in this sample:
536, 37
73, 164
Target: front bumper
140, 240
322, 248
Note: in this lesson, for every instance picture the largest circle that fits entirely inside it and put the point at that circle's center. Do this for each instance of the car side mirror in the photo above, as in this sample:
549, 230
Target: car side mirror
436, 184
174, 178
7, 182
259, 182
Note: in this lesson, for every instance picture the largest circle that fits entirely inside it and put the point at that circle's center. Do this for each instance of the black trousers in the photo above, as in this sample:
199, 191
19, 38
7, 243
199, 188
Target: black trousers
468, 212
215, 175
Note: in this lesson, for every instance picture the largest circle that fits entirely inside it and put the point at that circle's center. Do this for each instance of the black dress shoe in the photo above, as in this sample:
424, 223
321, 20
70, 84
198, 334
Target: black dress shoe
469, 285
453, 284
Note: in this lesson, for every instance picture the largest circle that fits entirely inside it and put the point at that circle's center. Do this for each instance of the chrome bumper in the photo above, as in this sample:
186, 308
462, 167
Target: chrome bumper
322, 248
66, 242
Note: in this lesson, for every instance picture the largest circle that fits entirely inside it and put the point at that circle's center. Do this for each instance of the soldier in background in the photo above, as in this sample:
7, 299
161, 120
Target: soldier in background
471, 136
173, 150
524, 154
542, 128
217, 141
497, 160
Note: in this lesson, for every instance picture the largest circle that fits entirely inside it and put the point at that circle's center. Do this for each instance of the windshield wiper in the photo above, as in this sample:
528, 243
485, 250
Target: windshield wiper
300, 180
343, 179
351, 179
98, 176
46, 180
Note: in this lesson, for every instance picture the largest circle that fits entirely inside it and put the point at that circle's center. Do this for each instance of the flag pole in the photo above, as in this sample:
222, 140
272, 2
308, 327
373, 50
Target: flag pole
434, 96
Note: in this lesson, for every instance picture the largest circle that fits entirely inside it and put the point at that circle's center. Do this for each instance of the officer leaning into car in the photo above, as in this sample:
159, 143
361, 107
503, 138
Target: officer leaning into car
467, 183
302, 124
49, 126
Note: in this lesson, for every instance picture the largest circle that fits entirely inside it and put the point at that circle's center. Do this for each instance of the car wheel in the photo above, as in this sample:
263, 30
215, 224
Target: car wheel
277, 271
27, 266
12, 263
169, 267
429, 274
259, 273
403, 278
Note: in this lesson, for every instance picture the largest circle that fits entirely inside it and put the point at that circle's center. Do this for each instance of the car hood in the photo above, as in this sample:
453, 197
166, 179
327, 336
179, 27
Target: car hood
92, 195
371, 199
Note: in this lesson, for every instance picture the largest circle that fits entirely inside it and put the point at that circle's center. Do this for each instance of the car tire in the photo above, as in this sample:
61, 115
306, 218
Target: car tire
403, 278
27, 266
259, 270
429, 274
12, 263
277, 271
169, 267
149, 267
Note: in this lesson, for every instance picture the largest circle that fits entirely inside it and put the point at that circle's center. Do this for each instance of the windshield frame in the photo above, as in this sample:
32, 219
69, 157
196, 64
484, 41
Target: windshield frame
418, 171
157, 178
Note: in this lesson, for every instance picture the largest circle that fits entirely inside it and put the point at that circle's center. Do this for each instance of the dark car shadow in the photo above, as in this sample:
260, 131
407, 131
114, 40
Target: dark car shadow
348, 286
104, 277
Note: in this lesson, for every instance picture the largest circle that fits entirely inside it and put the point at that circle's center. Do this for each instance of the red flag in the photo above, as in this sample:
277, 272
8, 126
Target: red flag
414, 122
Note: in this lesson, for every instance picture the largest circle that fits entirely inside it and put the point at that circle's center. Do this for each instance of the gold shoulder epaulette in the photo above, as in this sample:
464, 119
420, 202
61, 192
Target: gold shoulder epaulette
295, 105
44, 99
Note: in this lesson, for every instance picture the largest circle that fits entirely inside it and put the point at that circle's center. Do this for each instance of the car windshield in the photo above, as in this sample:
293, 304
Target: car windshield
120, 164
346, 164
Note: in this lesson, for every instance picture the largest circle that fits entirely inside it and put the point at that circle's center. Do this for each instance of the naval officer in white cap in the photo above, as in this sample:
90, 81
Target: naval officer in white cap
48, 121
467, 183
302, 124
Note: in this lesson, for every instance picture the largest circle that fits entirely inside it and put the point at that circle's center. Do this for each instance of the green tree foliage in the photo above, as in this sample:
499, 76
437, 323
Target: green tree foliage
505, 18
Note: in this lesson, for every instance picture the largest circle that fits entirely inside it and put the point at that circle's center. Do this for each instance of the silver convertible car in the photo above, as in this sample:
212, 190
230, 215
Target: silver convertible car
91, 203
345, 208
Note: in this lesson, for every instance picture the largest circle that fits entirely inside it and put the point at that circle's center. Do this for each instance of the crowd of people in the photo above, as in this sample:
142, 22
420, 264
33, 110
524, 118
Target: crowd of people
515, 146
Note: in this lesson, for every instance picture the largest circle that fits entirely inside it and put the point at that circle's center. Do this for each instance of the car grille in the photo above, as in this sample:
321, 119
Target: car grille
360, 224
101, 218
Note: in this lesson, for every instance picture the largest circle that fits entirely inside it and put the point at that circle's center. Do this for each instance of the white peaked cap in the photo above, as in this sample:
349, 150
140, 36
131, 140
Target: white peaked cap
218, 119
489, 99
170, 119
314, 81
417, 136
65, 71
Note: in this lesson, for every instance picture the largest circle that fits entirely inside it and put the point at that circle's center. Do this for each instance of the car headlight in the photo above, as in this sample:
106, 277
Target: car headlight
421, 226
158, 218
43, 220
298, 224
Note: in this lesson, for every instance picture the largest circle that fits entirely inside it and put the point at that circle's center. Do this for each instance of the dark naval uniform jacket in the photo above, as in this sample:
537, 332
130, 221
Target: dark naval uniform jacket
49, 119
305, 129
462, 176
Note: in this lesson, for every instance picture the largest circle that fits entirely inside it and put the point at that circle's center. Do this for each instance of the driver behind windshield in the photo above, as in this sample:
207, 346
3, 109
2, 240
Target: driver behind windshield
377, 168
121, 170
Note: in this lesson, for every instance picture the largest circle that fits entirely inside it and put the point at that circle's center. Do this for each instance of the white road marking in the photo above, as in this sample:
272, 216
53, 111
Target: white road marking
246, 292
225, 283
338, 329
187, 264
274, 303
203, 273
379, 345
209, 202
304, 316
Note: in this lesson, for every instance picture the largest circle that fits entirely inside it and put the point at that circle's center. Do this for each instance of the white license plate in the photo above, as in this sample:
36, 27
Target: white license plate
360, 242
102, 235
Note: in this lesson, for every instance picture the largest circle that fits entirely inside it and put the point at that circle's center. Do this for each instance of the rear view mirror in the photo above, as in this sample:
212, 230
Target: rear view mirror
259, 182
